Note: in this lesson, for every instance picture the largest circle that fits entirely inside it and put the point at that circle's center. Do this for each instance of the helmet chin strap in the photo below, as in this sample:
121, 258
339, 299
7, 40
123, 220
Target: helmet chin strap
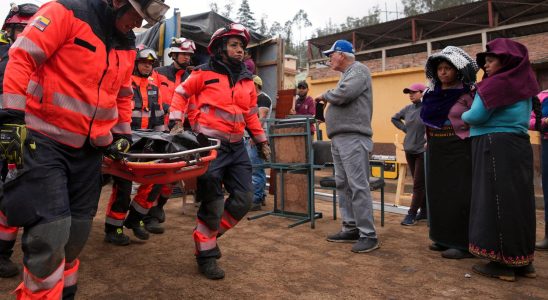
181, 66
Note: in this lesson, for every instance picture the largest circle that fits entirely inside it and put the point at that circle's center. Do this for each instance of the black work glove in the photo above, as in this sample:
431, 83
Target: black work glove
119, 146
13, 136
263, 150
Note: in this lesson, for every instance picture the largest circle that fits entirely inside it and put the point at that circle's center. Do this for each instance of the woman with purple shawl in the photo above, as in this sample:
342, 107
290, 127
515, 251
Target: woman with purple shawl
452, 74
502, 214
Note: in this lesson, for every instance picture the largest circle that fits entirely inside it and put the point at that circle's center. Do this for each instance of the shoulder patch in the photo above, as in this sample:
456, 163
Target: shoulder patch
41, 23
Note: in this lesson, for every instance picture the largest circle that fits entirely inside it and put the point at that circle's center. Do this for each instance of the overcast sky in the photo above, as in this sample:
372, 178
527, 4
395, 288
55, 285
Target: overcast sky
319, 11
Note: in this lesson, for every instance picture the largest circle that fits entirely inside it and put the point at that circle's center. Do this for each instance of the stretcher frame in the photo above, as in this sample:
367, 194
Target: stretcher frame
165, 167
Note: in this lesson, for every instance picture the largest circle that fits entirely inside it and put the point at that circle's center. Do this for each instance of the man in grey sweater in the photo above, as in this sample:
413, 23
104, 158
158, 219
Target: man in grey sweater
348, 122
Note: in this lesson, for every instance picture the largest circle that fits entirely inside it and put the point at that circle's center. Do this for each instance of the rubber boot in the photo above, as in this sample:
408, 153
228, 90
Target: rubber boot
69, 292
7, 267
209, 268
115, 235
134, 221
543, 244
152, 225
159, 209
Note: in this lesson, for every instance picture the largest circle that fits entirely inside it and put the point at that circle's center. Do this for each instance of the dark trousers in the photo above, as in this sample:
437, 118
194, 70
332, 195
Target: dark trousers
545, 176
232, 169
416, 165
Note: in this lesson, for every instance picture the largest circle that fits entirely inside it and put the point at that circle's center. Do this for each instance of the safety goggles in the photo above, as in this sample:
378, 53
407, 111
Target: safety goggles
188, 45
147, 54
153, 10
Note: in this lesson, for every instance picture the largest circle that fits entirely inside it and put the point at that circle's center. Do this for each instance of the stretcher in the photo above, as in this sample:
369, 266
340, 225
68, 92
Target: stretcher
162, 168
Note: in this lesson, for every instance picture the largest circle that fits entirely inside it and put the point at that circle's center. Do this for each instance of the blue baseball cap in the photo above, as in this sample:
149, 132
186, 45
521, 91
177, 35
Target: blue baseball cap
340, 45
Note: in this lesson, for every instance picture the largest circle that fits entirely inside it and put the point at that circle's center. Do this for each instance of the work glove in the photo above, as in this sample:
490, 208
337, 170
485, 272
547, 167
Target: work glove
13, 137
175, 126
263, 150
119, 146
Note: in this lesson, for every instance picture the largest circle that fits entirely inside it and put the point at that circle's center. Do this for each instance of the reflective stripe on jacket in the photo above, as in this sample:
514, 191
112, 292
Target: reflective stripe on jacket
223, 111
77, 74
147, 111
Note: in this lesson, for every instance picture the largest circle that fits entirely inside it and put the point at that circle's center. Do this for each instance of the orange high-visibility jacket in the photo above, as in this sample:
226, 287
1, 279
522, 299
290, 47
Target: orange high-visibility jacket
171, 77
224, 110
70, 77
147, 111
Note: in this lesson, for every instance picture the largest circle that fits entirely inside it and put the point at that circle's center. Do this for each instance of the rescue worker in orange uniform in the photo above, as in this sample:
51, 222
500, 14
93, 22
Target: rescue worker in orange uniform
69, 89
226, 101
147, 114
180, 51
18, 17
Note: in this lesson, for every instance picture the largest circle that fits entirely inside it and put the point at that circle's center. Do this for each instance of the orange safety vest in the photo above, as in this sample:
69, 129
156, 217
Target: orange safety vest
147, 110
72, 81
224, 111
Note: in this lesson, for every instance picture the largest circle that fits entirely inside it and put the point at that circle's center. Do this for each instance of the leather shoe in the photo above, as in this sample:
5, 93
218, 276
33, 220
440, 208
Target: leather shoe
495, 270
453, 253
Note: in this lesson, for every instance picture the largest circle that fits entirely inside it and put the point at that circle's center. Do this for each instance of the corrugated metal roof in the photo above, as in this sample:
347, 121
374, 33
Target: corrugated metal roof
438, 24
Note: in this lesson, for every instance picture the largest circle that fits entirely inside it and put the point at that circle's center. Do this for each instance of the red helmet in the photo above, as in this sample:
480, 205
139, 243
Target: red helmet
20, 14
182, 45
234, 29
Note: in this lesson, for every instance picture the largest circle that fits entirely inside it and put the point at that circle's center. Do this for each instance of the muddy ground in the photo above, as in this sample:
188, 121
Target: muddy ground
265, 259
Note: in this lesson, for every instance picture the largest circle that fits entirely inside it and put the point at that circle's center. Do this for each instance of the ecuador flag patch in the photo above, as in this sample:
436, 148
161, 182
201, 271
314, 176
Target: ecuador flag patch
41, 23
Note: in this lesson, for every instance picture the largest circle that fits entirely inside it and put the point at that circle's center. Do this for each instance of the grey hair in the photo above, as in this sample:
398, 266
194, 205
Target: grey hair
349, 55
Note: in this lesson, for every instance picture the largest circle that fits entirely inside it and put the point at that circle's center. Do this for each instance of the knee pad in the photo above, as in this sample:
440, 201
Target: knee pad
44, 246
79, 233
239, 204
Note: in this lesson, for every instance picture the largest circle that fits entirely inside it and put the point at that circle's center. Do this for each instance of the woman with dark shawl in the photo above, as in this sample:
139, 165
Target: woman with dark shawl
452, 73
502, 215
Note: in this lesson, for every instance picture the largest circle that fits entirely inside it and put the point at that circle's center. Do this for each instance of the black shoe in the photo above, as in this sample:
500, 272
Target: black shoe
210, 269
138, 229
453, 253
526, 271
344, 236
409, 220
263, 202
152, 225
365, 245
421, 216
255, 207
437, 247
495, 270
117, 237
8, 268
158, 213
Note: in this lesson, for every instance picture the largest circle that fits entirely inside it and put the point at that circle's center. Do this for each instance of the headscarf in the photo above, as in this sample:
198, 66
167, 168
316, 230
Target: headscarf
436, 103
514, 82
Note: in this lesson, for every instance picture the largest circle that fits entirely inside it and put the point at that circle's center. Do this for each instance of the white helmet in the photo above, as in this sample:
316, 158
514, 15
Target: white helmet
152, 11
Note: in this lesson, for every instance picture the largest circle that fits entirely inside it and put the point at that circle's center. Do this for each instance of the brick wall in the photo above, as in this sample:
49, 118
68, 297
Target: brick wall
538, 52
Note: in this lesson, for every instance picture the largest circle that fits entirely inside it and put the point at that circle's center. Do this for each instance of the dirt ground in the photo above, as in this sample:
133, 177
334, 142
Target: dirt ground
264, 258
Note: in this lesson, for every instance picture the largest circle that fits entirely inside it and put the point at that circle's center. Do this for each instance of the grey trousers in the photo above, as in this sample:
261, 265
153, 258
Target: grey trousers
351, 158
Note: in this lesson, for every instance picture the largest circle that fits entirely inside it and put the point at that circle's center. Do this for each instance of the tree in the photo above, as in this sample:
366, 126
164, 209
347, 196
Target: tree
213, 6
229, 6
245, 16
276, 29
415, 7
263, 27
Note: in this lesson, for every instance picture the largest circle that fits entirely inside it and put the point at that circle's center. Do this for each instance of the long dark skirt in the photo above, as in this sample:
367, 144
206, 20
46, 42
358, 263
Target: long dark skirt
448, 187
502, 217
